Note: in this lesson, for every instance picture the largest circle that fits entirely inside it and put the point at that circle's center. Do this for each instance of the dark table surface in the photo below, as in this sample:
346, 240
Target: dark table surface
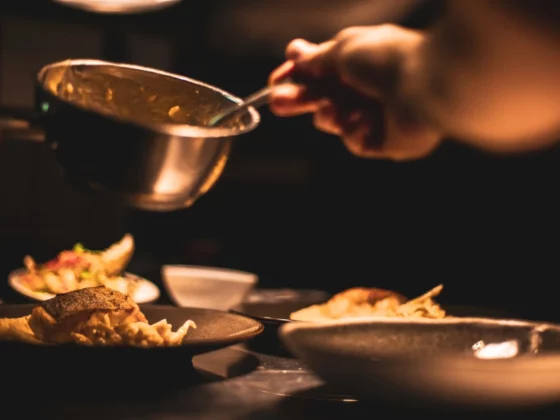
227, 384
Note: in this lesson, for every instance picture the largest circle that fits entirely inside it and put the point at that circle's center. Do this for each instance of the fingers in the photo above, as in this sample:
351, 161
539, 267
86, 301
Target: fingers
302, 57
364, 133
282, 72
376, 135
312, 61
360, 139
289, 100
296, 50
327, 118
361, 131
308, 61
300, 48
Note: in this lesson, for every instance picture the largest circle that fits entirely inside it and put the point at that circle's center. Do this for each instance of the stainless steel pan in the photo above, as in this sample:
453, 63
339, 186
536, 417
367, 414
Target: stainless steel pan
136, 132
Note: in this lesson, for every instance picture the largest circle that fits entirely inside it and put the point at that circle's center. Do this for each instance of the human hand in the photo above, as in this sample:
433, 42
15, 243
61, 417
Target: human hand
352, 85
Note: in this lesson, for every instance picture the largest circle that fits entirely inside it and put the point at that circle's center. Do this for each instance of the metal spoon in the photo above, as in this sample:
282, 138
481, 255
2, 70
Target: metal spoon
255, 100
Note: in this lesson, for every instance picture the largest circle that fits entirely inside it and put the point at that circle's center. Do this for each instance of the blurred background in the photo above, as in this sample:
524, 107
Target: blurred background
293, 205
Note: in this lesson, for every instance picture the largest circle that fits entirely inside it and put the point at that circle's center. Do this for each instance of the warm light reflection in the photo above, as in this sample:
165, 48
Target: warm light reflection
216, 170
503, 350
168, 180
118, 6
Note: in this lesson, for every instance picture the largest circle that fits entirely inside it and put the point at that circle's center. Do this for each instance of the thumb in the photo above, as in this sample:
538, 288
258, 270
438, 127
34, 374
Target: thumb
299, 48
314, 60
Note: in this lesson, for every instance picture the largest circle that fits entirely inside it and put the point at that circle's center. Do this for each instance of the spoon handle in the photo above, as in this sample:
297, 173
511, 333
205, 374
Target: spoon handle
255, 100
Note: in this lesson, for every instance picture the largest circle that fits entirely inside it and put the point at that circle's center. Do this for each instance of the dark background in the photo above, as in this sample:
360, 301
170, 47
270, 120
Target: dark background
292, 206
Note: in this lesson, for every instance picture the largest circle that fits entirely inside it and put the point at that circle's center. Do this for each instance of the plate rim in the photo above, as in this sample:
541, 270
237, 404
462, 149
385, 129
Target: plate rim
282, 321
19, 288
332, 324
268, 320
236, 276
289, 332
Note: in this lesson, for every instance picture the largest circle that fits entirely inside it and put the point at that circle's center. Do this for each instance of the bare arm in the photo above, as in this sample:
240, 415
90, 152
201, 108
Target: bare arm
489, 73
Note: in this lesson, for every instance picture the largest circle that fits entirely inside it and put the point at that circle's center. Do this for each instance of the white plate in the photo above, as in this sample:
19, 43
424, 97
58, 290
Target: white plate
145, 293
207, 287
434, 361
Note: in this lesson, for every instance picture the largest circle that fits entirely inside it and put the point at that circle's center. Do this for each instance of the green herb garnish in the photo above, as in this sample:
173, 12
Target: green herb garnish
80, 249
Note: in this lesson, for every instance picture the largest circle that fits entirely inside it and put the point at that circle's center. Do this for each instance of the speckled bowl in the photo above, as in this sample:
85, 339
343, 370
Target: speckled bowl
457, 361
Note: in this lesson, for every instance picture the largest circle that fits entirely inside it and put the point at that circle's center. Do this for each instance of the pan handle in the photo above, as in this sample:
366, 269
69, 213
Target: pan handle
16, 124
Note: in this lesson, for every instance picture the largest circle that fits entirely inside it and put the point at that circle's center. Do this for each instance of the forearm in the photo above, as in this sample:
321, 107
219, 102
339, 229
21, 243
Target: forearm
485, 78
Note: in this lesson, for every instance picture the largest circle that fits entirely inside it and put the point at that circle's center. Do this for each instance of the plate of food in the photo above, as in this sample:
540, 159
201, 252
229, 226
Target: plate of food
80, 268
276, 308
107, 330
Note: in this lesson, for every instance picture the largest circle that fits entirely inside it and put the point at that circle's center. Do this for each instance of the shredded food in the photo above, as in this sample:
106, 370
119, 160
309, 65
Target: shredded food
138, 334
364, 302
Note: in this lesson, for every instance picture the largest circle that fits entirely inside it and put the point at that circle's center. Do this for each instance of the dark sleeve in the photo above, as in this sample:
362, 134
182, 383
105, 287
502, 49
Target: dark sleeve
542, 14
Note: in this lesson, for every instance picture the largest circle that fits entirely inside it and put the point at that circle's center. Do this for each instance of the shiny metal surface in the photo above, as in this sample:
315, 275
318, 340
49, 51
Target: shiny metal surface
136, 132
255, 100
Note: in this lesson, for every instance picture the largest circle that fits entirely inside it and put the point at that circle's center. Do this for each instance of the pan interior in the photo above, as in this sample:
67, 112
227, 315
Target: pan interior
145, 96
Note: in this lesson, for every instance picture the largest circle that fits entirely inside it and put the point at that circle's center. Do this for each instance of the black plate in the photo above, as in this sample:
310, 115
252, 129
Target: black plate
273, 309
275, 306
215, 329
